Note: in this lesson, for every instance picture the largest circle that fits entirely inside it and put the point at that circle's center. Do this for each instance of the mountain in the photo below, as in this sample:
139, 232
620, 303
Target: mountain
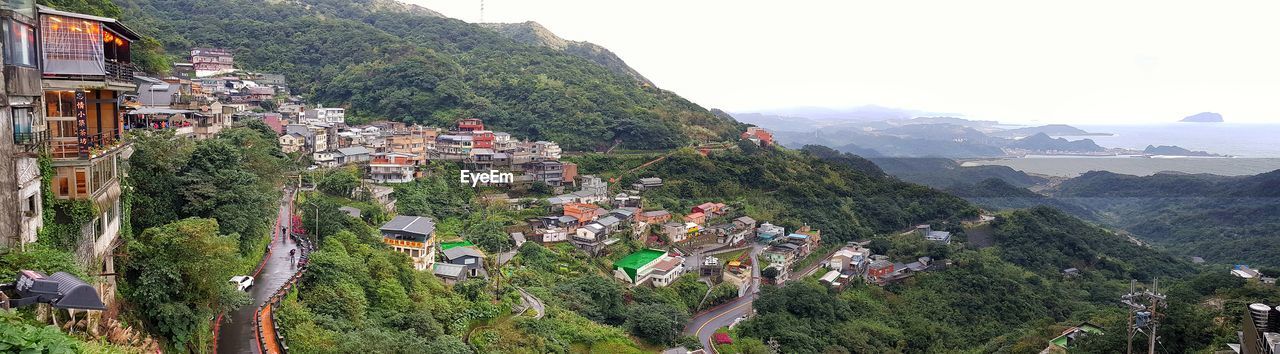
942, 132
777, 123
1222, 219
1043, 142
1051, 130
867, 113
534, 33
1203, 117
944, 173
1170, 150
382, 59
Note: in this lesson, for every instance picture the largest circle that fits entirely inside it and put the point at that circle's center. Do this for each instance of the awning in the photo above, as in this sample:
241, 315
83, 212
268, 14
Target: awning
156, 110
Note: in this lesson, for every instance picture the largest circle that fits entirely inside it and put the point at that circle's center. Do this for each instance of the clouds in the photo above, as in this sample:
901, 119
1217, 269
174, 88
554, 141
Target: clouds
1083, 61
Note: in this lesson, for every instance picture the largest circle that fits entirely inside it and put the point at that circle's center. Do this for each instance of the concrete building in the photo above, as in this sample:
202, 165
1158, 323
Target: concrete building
413, 236
21, 202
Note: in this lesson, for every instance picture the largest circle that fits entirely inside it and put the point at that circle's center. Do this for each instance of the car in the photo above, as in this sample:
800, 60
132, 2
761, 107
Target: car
242, 282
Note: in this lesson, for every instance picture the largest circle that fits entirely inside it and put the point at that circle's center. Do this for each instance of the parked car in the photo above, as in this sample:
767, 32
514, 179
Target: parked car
242, 282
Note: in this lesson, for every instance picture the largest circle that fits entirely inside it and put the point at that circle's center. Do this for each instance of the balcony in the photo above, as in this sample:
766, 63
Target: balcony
120, 71
96, 145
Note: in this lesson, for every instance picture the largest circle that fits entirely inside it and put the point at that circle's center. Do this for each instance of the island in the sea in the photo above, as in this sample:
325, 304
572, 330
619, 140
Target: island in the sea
1204, 117
1170, 150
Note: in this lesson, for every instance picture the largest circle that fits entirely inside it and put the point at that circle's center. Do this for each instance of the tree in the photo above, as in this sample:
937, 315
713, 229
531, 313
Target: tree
770, 273
656, 323
181, 291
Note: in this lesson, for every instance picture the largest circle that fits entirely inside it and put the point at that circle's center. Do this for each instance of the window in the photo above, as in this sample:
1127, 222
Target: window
19, 44
23, 122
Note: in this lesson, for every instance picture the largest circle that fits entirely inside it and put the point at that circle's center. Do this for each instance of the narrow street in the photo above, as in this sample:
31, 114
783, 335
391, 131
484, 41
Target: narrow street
237, 333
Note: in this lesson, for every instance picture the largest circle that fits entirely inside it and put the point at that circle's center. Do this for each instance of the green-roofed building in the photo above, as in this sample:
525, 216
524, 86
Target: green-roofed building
1070, 335
447, 245
636, 266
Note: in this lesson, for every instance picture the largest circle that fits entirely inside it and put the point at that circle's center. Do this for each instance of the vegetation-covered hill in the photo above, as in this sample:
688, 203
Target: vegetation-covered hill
533, 33
384, 61
1223, 219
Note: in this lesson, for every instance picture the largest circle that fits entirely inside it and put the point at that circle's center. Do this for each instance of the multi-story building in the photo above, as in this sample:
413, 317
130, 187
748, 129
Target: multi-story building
212, 61
413, 145
413, 236
323, 115
450, 147
391, 168
482, 139
86, 73
470, 124
23, 129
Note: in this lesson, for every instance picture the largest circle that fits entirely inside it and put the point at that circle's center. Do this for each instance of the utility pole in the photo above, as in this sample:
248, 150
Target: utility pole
1144, 313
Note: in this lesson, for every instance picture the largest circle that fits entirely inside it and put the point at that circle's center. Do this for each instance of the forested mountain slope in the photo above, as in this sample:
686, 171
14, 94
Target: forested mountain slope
399, 62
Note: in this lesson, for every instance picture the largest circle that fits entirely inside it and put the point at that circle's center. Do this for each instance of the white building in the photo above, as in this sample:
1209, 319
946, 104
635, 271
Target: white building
326, 115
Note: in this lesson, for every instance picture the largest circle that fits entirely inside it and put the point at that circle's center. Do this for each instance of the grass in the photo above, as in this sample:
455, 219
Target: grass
726, 257
813, 257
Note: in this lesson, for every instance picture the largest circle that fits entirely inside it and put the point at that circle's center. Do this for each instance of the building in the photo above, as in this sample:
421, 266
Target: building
654, 217
649, 265
354, 154
879, 270
413, 236
647, 183
928, 233
848, 259
470, 258
332, 116
295, 142
470, 124
584, 212
391, 168
710, 209
1070, 335
451, 147
758, 135
1243, 271
212, 61
414, 145
21, 201
86, 74
696, 218
1260, 330
767, 232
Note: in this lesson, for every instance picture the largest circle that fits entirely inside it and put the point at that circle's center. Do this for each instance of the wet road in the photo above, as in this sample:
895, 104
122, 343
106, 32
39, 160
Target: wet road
703, 325
237, 331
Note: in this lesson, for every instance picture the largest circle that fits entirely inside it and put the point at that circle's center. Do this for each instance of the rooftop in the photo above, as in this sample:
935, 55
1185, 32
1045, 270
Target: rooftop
420, 225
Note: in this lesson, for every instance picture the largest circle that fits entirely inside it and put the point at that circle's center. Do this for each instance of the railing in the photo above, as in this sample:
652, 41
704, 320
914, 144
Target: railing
120, 71
305, 247
70, 148
32, 140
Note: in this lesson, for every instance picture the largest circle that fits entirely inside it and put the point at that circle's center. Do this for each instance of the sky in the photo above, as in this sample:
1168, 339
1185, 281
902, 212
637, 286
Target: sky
1086, 62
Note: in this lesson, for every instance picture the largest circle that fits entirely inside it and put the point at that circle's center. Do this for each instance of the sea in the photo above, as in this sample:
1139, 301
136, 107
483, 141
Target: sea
1254, 148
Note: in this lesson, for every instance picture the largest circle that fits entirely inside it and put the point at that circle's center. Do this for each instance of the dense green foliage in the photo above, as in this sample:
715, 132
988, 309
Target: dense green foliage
230, 178
1047, 241
380, 61
1222, 219
178, 292
17, 336
946, 173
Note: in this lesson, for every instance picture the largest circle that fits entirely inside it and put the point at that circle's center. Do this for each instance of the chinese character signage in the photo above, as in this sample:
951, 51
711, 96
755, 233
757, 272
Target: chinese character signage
82, 124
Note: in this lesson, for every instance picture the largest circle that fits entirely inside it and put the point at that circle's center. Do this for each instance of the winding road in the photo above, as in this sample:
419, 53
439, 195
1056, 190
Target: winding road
705, 324
237, 333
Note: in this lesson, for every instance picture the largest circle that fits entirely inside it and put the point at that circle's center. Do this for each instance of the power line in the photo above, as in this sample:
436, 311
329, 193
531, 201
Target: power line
1144, 313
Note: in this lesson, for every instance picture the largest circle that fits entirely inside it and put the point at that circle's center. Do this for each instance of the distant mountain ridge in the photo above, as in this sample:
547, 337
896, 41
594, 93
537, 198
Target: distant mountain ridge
530, 32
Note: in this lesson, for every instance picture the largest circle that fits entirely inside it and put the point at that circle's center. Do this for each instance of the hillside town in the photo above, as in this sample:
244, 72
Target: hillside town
462, 230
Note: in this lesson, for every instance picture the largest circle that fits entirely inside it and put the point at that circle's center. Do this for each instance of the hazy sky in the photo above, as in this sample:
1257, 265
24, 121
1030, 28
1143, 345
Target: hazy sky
1022, 61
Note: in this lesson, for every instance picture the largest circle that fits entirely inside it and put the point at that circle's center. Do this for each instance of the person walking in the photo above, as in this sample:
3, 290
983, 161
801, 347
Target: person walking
292, 254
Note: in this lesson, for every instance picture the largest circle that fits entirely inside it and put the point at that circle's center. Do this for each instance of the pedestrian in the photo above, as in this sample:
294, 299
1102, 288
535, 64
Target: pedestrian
292, 252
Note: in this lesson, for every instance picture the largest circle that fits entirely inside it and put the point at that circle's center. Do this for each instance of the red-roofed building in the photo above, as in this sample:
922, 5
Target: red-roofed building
696, 218
482, 139
711, 209
584, 212
758, 135
273, 120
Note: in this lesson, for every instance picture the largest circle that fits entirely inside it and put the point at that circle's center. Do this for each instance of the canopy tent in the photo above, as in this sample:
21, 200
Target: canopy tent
160, 118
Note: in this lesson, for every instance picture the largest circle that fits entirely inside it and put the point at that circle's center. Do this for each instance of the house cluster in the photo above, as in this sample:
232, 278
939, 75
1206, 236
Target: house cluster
784, 251
204, 96
854, 262
415, 236
393, 150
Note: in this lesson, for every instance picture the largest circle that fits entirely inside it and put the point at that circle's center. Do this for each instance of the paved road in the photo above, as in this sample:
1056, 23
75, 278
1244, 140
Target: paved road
534, 303
705, 324
237, 330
